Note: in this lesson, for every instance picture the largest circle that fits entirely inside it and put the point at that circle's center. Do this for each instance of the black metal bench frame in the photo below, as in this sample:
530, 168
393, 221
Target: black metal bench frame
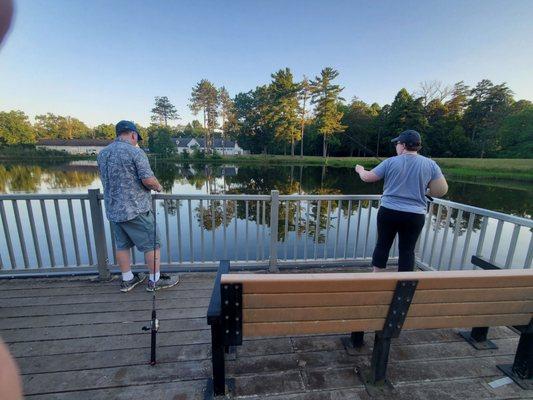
225, 318
521, 371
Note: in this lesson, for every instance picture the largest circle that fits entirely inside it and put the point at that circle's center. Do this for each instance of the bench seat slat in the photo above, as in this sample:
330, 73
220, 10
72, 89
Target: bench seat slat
315, 299
380, 311
343, 282
347, 326
472, 295
314, 313
310, 327
454, 321
377, 298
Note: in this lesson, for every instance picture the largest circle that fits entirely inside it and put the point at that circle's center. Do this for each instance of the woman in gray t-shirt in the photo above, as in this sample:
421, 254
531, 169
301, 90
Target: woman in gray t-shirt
408, 178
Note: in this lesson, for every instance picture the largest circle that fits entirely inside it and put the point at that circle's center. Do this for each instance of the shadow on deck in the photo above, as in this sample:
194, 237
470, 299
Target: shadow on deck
75, 339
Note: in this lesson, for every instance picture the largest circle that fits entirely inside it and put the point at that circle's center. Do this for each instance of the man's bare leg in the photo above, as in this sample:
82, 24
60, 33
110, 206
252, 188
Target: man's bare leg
158, 281
149, 259
124, 261
129, 281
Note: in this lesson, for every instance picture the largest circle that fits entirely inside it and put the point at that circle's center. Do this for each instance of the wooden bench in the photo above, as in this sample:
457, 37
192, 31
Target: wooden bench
260, 305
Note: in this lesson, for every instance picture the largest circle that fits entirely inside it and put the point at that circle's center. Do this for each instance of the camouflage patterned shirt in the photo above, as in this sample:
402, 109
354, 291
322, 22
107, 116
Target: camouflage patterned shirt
122, 166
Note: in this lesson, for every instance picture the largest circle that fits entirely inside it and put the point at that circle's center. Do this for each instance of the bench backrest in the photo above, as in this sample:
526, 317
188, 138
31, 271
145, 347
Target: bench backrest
300, 304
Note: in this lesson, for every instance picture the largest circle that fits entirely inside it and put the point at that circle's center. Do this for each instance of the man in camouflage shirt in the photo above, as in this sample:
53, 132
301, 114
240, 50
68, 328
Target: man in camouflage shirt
127, 180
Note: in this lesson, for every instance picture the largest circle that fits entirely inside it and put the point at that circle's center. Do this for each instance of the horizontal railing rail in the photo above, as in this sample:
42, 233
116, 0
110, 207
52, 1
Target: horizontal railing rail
68, 233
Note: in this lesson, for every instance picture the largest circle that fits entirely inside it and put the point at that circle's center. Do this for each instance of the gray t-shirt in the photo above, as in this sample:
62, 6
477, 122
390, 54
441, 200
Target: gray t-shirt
122, 166
406, 179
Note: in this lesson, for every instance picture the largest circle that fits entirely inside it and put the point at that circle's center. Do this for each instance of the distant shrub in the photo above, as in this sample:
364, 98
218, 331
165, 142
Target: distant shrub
198, 154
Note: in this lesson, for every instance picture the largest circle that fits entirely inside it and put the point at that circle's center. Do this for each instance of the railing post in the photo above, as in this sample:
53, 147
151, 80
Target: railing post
274, 213
97, 218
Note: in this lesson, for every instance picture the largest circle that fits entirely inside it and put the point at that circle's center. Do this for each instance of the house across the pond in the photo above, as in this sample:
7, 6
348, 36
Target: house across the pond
74, 146
221, 146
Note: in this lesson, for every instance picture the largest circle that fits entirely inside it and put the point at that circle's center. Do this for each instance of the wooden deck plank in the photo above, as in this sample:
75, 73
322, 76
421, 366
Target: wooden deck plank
411, 371
189, 390
99, 317
264, 387
258, 365
113, 306
91, 290
80, 359
102, 329
458, 389
115, 376
87, 281
111, 358
90, 308
134, 296
67, 346
443, 337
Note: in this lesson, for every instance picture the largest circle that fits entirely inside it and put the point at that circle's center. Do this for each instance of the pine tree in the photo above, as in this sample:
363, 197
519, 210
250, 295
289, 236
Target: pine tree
204, 97
226, 112
406, 113
305, 92
326, 97
163, 111
284, 107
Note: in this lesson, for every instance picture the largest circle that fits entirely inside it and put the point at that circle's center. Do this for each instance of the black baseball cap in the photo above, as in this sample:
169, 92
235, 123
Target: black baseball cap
127, 126
409, 136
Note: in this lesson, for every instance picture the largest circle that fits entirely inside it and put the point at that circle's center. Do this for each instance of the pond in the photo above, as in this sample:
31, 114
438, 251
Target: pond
243, 234
78, 176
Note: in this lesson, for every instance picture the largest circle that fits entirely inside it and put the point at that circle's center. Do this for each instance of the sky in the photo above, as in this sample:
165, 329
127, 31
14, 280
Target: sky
106, 60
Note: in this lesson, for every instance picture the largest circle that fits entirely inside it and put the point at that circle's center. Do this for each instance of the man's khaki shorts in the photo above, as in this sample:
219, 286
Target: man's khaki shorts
138, 231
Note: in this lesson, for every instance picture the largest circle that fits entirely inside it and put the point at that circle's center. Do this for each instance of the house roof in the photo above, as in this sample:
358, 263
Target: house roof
183, 142
73, 142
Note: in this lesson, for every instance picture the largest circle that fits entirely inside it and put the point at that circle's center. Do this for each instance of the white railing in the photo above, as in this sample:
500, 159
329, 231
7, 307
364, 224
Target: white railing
50, 234
454, 232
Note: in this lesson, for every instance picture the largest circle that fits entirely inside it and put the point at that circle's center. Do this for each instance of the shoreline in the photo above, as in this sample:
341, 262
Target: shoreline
469, 168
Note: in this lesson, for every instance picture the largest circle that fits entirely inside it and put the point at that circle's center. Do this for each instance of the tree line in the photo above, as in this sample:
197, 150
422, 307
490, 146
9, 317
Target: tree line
310, 117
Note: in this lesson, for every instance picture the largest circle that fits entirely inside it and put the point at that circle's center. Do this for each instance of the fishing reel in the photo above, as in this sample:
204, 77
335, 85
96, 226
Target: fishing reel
153, 325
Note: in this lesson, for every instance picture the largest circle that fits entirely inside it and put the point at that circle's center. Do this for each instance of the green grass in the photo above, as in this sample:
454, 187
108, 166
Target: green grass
466, 168
512, 169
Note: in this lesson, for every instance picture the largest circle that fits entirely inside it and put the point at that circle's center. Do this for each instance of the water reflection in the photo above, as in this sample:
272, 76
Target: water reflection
35, 178
511, 198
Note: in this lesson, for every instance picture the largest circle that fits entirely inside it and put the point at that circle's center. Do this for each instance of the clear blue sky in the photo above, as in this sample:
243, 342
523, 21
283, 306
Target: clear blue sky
105, 60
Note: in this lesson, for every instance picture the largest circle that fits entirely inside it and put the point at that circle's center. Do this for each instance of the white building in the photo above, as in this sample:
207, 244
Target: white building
74, 146
228, 147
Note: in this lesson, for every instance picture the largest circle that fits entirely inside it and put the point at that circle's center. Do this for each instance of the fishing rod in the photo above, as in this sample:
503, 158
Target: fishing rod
153, 327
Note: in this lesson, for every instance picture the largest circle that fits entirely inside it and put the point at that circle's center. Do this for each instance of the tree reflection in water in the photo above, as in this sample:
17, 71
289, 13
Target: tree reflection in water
32, 178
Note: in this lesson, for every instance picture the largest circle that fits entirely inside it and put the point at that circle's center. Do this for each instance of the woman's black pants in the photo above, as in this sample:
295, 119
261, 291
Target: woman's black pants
408, 227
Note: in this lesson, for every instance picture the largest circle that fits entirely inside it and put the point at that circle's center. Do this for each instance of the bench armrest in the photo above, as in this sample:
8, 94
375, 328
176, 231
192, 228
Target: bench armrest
215, 308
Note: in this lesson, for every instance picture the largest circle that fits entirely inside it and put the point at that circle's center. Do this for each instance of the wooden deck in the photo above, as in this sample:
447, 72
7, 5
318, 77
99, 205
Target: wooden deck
75, 339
